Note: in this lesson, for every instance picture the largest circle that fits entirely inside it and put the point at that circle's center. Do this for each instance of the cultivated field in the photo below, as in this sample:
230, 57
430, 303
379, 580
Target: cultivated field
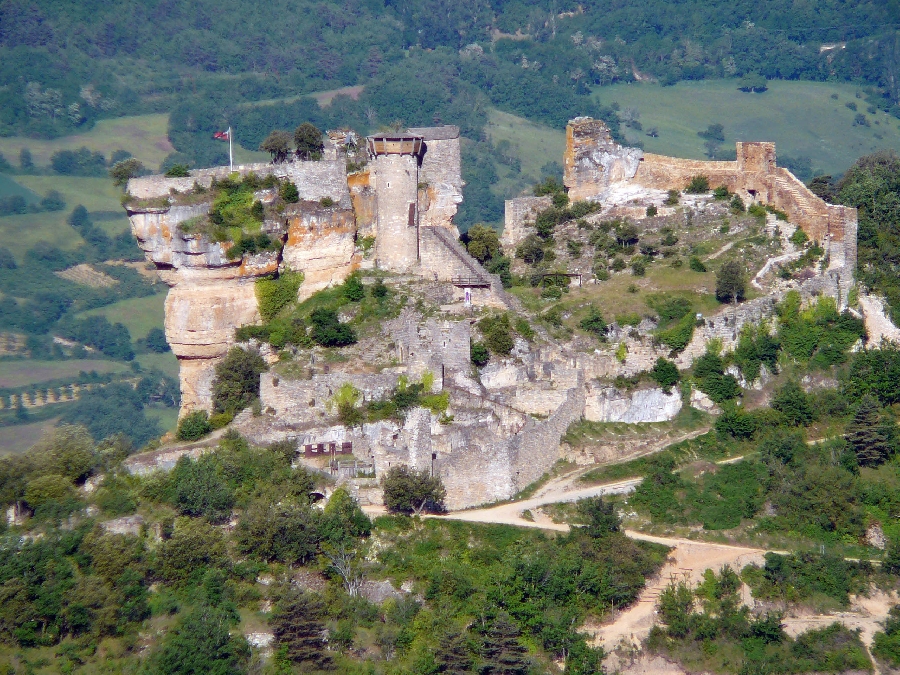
138, 315
15, 373
802, 118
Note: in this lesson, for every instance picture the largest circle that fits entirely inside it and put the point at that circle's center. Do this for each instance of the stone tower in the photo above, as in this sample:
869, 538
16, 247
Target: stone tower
396, 159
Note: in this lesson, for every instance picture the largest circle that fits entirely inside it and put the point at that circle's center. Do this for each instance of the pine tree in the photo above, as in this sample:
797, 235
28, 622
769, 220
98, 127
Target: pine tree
868, 435
503, 654
297, 625
453, 656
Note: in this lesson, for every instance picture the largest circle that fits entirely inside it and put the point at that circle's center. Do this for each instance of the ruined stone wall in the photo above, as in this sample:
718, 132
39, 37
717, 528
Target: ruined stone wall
396, 243
593, 160
440, 175
362, 195
439, 347
321, 241
518, 212
314, 180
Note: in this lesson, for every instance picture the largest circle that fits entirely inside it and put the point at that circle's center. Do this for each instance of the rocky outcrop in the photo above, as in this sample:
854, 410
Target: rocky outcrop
593, 160
608, 404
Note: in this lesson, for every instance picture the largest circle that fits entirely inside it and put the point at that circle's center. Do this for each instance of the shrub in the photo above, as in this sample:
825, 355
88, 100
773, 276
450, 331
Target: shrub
721, 193
799, 238
737, 204
696, 265
594, 324
353, 288
497, 334
289, 193
665, 374
379, 290
178, 171
328, 331
698, 185
275, 294
326, 202
678, 336
791, 401
193, 426
531, 250
672, 198
236, 384
638, 268
617, 264
652, 211
479, 354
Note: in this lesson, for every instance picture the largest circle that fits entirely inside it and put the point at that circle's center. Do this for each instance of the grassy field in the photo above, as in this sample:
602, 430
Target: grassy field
167, 363
168, 417
9, 188
20, 437
144, 136
16, 373
802, 118
536, 144
138, 315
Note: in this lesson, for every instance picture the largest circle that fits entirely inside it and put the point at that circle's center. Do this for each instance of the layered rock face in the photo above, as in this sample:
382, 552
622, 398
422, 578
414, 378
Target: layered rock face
593, 161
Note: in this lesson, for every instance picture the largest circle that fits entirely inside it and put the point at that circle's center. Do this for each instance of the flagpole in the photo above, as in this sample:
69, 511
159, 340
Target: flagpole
230, 151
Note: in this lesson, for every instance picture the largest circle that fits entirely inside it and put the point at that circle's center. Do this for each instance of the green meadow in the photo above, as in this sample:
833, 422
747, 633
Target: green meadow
802, 118
138, 315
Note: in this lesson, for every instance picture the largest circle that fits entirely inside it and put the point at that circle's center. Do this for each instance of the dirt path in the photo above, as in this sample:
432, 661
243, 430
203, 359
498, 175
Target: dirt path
724, 249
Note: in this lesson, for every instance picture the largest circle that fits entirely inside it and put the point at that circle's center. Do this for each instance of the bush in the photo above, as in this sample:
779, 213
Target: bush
353, 288
652, 211
698, 185
497, 334
696, 265
289, 193
531, 250
594, 324
479, 354
679, 335
792, 402
799, 238
275, 294
673, 197
328, 331
193, 426
236, 384
638, 268
721, 193
737, 204
178, 171
665, 374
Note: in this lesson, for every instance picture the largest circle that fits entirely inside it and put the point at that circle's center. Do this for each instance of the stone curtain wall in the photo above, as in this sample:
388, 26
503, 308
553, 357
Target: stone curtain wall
314, 180
593, 160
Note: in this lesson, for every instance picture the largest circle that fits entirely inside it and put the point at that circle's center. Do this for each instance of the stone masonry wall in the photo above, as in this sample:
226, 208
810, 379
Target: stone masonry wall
593, 161
440, 173
314, 180
519, 211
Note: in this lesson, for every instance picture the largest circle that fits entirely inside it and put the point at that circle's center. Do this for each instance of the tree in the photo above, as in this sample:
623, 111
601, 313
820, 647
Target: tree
409, 491
479, 354
731, 284
453, 655
503, 653
792, 402
236, 384
123, 171
193, 426
297, 625
289, 193
594, 324
201, 642
308, 139
753, 82
200, 489
67, 450
156, 341
531, 250
869, 435
195, 544
598, 517
327, 329
483, 243
278, 145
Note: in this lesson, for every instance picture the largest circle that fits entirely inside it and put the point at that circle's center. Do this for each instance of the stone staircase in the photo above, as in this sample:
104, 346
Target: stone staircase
809, 205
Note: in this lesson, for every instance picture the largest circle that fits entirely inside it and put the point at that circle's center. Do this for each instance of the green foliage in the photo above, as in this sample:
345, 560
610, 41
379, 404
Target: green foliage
278, 145
178, 171
193, 426
483, 243
886, 644
497, 332
275, 294
594, 324
353, 288
696, 265
792, 402
737, 205
289, 193
201, 643
665, 374
328, 331
721, 193
870, 434
308, 139
697, 186
756, 347
731, 282
651, 211
672, 198
299, 629
817, 335
236, 384
409, 491
479, 354
799, 237
677, 336
199, 489
709, 374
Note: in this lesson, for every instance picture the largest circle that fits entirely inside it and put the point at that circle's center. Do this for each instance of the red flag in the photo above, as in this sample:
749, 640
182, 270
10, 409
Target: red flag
222, 135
